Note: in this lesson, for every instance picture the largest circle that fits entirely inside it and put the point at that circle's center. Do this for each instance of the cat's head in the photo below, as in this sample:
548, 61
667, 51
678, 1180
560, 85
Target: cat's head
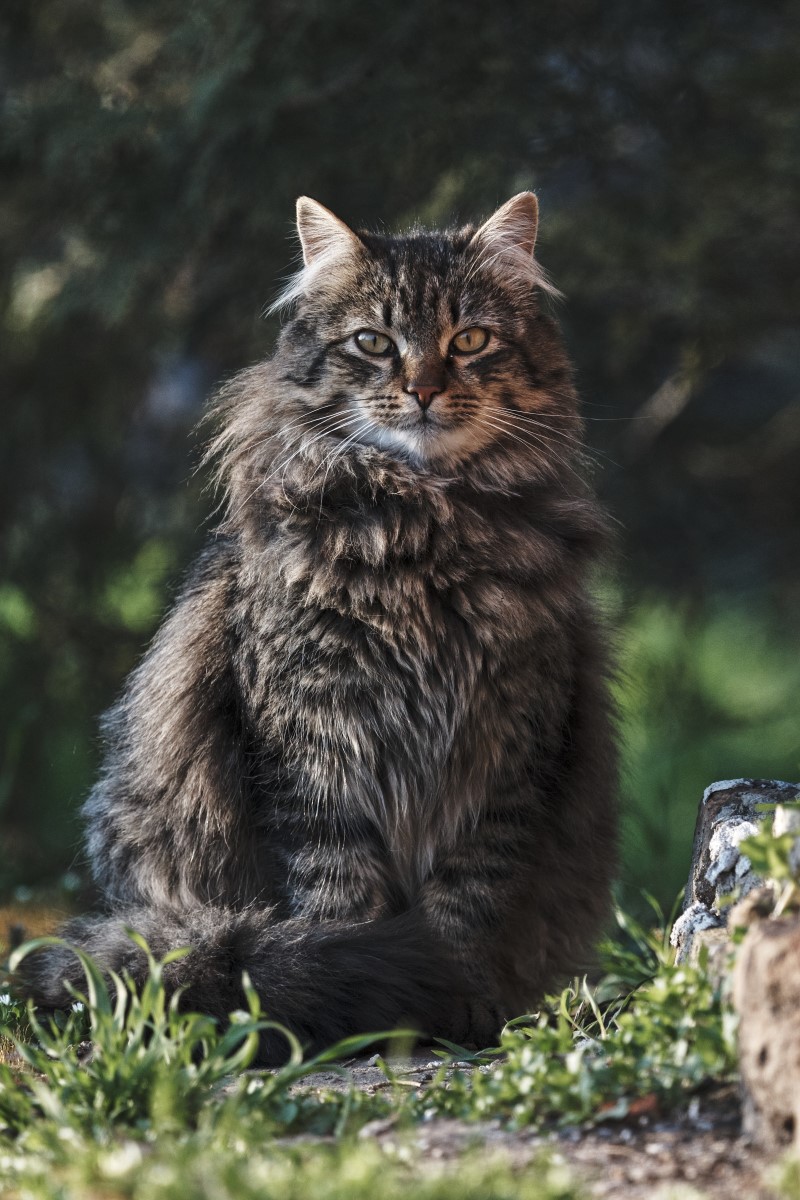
430, 346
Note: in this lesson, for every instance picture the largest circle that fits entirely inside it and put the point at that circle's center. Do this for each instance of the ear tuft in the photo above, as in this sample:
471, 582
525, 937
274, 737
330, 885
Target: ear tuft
321, 233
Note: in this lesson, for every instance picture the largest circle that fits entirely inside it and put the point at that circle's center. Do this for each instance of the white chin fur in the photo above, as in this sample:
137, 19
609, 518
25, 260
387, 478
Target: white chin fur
425, 444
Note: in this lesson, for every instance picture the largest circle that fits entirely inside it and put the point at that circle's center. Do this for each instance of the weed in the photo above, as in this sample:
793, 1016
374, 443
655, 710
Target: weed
774, 854
573, 1064
137, 1062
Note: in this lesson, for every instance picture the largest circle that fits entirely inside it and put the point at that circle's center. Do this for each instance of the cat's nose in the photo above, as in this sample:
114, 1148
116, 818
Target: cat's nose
424, 393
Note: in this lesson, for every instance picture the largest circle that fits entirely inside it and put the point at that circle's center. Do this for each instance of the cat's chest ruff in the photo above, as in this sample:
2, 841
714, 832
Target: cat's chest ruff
425, 575
385, 649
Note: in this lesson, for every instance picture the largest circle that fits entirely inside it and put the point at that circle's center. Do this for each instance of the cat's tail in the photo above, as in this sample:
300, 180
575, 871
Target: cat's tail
323, 981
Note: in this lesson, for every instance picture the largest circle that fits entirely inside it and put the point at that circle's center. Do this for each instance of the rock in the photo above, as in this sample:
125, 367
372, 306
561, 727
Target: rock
758, 904
766, 985
766, 972
693, 922
729, 812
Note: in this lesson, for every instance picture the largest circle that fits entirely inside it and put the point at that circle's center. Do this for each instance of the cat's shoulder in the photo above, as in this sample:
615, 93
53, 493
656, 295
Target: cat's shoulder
218, 558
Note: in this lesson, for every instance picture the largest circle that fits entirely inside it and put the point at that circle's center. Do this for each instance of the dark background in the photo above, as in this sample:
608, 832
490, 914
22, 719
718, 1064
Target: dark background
151, 154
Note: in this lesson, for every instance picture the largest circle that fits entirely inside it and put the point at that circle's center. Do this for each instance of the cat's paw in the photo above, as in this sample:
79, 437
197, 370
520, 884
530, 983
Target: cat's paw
477, 1023
486, 1022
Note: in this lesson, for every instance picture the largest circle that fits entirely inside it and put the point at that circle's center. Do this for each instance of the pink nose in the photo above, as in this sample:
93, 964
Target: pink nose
424, 393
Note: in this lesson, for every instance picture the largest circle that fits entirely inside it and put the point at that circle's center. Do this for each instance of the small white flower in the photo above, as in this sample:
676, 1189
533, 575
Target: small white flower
5, 998
77, 1006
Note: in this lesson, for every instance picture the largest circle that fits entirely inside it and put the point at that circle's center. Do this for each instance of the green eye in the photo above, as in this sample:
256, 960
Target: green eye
470, 341
374, 343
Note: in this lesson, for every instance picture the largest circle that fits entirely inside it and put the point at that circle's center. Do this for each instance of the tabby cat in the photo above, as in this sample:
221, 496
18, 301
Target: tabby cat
369, 757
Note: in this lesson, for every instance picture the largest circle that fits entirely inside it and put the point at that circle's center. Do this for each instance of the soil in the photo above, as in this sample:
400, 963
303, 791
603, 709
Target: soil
698, 1151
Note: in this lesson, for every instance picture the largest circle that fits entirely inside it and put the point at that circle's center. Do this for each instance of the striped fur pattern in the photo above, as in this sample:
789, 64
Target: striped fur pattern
369, 757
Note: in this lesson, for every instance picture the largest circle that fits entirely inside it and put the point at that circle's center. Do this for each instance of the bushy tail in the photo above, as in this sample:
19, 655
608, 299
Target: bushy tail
323, 981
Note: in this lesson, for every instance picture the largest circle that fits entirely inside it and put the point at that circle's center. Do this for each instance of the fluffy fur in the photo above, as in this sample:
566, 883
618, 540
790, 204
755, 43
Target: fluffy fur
369, 757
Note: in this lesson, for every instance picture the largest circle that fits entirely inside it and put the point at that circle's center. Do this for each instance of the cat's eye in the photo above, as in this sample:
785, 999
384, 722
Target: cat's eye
470, 341
374, 343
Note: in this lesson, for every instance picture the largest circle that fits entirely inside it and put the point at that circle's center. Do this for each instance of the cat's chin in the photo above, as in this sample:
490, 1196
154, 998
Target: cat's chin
425, 445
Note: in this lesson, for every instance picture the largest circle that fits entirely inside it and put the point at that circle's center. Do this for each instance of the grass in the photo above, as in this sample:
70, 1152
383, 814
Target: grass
244, 1168
665, 1046
158, 1107
593, 1054
150, 1066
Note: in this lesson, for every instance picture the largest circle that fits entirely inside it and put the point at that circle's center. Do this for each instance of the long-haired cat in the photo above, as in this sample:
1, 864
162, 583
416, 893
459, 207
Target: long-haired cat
368, 758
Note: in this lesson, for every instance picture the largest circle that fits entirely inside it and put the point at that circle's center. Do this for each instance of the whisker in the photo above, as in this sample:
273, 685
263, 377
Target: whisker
249, 448
567, 438
526, 422
334, 449
532, 418
304, 445
339, 452
533, 441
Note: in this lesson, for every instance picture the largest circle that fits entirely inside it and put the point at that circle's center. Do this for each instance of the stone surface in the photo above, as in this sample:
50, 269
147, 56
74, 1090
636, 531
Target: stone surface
729, 812
766, 973
766, 987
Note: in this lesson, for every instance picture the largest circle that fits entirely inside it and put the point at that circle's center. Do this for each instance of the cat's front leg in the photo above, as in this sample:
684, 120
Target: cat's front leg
336, 871
475, 900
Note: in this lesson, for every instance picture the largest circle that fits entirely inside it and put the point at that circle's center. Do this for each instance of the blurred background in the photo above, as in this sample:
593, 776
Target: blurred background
151, 153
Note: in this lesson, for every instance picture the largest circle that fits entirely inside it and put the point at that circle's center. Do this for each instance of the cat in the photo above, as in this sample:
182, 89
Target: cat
370, 756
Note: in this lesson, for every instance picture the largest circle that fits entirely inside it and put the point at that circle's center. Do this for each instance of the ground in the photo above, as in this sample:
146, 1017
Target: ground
699, 1148
140, 1115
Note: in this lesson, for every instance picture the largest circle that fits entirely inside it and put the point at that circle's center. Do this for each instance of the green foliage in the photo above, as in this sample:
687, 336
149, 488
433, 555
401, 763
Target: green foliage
247, 1167
638, 950
770, 853
663, 143
670, 1041
17, 616
775, 855
134, 594
704, 695
127, 1097
133, 1061
786, 1179
594, 1054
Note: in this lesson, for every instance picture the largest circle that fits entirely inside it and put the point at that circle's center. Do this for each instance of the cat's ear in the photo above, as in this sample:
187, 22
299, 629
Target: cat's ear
506, 241
329, 249
513, 227
323, 235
